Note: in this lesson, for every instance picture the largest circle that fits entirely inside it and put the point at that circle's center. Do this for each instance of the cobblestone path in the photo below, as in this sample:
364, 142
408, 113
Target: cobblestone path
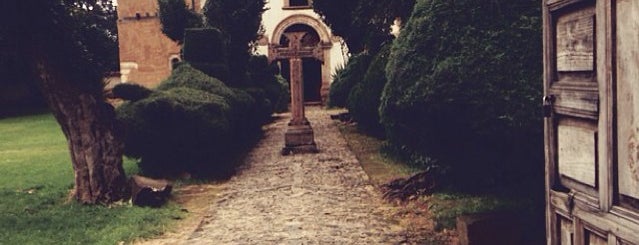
322, 198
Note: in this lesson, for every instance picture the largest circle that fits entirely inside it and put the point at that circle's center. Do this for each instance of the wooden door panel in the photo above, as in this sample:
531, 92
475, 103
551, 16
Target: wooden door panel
572, 85
591, 81
628, 98
566, 232
593, 239
577, 161
575, 41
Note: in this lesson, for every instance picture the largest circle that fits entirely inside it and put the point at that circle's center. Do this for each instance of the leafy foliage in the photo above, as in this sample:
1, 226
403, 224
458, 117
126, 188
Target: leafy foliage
264, 76
18, 94
131, 91
204, 45
240, 22
364, 97
175, 17
345, 79
192, 123
463, 86
206, 50
364, 26
84, 32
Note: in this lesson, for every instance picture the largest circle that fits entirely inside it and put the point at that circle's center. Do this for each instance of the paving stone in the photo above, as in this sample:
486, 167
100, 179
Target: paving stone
322, 198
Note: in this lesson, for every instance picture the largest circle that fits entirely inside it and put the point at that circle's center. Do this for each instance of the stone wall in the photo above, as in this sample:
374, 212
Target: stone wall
145, 52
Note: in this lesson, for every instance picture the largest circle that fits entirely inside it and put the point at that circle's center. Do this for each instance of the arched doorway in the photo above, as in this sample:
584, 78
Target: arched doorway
311, 68
319, 35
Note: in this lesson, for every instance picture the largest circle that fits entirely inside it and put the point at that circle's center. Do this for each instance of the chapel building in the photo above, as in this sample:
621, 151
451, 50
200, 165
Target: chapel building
147, 55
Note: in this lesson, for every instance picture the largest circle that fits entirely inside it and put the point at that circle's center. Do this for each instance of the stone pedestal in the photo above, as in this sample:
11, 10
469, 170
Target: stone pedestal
299, 139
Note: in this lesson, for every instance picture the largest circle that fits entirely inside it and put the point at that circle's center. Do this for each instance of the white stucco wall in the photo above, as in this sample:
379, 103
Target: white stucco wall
275, 14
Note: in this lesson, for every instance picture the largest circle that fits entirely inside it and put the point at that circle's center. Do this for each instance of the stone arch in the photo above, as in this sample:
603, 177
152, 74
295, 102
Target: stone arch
325, 42
174, 59
319, 27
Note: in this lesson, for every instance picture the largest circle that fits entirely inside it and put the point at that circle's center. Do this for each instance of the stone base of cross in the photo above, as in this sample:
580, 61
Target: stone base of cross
299, 136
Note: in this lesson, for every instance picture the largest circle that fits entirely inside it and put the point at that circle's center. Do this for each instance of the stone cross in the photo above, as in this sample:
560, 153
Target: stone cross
299, 135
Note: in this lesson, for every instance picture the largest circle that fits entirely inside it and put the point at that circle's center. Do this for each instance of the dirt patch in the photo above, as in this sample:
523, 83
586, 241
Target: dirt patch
413, 215
380, 169
195, 200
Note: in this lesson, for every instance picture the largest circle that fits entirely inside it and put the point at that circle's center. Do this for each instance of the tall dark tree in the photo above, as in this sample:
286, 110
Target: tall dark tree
20, 94
65, 44
364, 26
175, 17
240, 21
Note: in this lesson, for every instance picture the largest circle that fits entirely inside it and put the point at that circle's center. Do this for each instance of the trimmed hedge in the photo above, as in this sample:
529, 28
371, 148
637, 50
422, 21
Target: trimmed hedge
264, 76
364, 98
345, 79
175, 17
205, 50
131, 91
192, 123
464, 82
284, 97
205, 45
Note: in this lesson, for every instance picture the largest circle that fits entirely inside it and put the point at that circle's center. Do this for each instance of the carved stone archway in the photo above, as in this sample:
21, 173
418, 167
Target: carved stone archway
325, 42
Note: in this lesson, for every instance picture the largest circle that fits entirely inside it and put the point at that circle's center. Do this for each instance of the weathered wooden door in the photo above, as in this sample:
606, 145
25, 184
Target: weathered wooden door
591, 86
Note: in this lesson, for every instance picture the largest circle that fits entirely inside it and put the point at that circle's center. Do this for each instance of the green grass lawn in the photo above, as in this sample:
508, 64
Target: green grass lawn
35, 178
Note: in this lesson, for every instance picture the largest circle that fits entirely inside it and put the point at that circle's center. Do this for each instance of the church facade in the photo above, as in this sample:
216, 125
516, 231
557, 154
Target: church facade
146, 54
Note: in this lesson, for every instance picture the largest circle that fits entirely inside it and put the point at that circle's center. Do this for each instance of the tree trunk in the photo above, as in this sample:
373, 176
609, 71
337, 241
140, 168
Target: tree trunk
96, 148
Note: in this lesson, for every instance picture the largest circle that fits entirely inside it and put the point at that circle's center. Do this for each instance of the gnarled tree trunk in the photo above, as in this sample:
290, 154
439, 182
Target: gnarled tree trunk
89, 125
65, 43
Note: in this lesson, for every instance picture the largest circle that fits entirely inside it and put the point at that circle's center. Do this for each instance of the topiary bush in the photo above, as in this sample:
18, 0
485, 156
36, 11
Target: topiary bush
345, 79
264, 76
175, 17
204, 45
240, 22
284, 98
131, 91
205, 49
364, 98
192, 123
464, 82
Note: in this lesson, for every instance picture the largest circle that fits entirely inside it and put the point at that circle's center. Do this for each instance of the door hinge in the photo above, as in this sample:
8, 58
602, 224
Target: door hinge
570, 203
548, 101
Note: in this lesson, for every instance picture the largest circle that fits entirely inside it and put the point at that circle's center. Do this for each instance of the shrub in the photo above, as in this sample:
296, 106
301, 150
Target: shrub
346, 78
219, 71
184, 75
364, 98
174, 131
464, 80
205, 45
240, 22
191, 123
131, 91
264, 76
264, 106
205, 49
284, 98
175, 17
